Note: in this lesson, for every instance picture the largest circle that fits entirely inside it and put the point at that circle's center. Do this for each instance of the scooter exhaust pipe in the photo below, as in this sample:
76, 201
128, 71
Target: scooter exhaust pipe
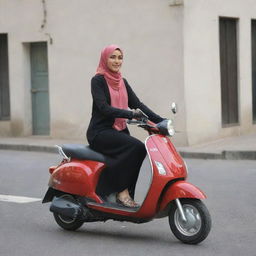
65, 208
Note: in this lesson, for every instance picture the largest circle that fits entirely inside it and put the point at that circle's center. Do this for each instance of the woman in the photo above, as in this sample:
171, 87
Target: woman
113, 103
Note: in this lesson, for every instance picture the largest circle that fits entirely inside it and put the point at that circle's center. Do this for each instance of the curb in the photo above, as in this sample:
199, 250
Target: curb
200, 155
224, 155
23, 147
239, 155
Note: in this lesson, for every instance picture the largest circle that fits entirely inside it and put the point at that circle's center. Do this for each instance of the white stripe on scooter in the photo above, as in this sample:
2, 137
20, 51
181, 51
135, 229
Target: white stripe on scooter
18, 199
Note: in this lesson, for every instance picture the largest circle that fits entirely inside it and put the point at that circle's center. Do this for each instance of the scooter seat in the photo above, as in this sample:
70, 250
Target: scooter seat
82, 152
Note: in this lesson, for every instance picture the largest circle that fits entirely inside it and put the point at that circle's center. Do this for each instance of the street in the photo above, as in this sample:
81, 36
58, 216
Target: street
29, 228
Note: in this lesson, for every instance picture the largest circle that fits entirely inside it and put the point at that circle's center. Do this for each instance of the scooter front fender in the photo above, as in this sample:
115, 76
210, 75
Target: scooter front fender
180, 189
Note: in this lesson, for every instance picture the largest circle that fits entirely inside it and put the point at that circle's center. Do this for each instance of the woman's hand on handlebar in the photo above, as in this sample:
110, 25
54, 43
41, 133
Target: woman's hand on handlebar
138, 114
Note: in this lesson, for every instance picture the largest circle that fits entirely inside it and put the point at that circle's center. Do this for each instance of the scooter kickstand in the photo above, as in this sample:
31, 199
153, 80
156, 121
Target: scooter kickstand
181, 210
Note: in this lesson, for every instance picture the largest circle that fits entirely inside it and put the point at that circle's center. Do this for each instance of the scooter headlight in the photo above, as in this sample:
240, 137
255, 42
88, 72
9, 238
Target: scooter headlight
166, 127
170, 128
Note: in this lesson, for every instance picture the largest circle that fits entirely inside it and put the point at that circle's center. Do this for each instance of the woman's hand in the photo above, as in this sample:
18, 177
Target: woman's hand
138, 114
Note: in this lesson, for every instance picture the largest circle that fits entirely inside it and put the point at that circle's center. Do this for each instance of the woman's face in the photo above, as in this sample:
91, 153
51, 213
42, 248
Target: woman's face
114, 61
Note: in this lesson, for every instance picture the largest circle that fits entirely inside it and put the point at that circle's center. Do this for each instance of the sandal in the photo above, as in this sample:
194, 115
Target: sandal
127, 202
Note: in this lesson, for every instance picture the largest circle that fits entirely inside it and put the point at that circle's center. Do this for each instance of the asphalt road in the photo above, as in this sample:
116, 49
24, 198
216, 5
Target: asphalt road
29, 228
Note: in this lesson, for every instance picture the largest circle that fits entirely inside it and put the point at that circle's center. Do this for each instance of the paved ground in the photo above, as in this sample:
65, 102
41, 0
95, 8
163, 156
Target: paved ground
29, 229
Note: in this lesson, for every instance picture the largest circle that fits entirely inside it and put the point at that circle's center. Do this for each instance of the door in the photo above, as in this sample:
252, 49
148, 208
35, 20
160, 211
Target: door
39, 89
253, 32
4, 79
228, 67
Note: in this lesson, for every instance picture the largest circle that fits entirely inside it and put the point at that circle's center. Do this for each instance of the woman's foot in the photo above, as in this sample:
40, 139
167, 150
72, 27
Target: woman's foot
127, 201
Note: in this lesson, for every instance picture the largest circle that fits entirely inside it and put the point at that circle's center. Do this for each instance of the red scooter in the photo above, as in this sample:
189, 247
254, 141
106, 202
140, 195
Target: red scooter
73, 183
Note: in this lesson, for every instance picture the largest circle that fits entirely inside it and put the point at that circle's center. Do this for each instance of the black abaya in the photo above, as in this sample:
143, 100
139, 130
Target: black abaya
125, 155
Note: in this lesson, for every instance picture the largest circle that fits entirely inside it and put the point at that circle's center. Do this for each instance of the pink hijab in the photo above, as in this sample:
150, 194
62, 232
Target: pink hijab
116, 86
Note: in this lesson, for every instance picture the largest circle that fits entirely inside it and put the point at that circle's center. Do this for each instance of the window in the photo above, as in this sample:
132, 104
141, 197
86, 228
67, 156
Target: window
4, 79
253, 36
228, 68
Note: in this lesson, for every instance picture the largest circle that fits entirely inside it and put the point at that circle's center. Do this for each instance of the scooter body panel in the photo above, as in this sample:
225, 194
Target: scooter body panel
78, 178
160, 150
180, 189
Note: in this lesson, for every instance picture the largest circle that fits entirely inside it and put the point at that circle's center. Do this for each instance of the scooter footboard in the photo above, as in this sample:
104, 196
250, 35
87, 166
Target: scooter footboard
180, 189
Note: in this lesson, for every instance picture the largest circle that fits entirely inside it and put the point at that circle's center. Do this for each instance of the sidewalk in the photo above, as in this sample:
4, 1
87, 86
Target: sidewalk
241, 147
34, 143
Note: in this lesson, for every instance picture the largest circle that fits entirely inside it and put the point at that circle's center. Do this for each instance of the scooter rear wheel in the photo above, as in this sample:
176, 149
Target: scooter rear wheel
198, 224
65, 222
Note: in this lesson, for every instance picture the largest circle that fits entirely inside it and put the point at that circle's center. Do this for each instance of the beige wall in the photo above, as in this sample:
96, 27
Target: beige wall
202, 67
149, 31
171, 54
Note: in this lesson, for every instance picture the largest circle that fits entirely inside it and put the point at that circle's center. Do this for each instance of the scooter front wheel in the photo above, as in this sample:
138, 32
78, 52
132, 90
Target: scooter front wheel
67, 222
197, 225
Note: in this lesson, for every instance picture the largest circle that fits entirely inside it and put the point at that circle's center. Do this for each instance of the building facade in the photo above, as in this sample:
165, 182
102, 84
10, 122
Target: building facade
198, 53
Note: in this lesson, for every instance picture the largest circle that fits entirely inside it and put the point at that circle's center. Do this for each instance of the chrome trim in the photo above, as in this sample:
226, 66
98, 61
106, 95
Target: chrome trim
180, 209
193, 224
61, 152
186, 166
150, 160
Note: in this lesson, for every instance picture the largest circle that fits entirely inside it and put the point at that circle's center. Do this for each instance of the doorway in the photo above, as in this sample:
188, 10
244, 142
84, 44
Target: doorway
229, 71
39, 88
253, 38
4, 79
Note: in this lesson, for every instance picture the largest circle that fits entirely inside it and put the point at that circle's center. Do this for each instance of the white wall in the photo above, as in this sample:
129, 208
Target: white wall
149, 31
171, 54
202, 67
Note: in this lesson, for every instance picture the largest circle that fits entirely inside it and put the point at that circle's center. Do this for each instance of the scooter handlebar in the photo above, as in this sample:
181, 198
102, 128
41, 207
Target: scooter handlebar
146, 124
133, 122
